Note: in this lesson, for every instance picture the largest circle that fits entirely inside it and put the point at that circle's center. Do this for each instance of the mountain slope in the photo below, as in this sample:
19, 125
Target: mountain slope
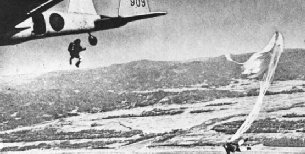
147, 75
55, 94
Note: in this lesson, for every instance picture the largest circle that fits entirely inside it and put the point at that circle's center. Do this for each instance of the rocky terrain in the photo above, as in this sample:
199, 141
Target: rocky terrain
151, 104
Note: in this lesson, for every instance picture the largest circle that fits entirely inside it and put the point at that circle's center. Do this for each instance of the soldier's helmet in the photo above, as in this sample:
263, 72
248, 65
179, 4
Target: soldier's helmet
77, 41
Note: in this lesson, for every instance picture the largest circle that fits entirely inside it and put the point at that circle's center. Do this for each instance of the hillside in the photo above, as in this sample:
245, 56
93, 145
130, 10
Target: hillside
140, 84
148, 75
131, 85
105, 87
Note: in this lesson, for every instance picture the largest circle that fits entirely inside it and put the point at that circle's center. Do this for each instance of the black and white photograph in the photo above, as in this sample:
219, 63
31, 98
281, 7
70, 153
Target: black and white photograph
152, 76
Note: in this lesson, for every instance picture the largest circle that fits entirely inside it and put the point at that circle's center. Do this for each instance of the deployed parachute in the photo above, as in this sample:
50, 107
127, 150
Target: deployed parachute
259, 64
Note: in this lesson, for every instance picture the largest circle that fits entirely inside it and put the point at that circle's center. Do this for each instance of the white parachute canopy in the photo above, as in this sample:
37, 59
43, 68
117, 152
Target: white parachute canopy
260, 63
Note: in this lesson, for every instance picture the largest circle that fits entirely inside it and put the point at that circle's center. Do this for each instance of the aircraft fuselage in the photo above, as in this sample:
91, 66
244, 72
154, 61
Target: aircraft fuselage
54, 23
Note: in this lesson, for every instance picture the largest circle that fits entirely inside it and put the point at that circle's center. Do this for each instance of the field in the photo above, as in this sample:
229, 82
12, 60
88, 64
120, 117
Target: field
149, 105
182, 119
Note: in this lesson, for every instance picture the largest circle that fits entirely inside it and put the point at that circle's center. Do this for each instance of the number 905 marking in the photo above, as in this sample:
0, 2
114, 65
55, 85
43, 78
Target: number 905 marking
138, 3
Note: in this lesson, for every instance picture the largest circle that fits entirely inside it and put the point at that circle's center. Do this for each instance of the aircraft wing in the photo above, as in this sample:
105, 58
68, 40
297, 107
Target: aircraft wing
13, 12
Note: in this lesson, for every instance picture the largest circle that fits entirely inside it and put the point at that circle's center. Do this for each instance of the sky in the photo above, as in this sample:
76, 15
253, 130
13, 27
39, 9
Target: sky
191, 29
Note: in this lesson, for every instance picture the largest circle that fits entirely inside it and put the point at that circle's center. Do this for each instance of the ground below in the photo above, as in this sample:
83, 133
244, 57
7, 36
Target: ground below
193, 124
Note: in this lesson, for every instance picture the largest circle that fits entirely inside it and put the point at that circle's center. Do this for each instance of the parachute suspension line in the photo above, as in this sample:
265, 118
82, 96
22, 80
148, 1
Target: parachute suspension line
276, 52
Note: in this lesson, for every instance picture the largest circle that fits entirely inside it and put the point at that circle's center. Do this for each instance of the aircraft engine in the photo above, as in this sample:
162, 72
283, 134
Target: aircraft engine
57, 22
92, 40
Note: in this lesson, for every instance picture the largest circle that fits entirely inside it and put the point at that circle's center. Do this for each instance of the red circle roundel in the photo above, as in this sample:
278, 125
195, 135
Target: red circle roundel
57, 22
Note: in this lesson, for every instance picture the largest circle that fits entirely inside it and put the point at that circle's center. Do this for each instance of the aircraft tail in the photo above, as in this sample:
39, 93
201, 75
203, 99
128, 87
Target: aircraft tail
136, 9
82, 6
